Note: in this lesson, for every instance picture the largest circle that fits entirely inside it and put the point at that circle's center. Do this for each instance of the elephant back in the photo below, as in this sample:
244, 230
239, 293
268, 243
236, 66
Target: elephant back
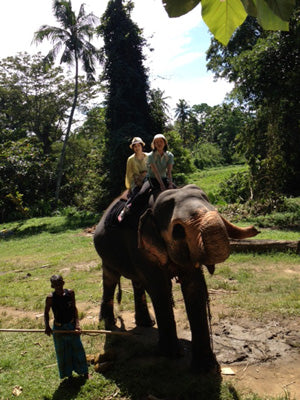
111, 218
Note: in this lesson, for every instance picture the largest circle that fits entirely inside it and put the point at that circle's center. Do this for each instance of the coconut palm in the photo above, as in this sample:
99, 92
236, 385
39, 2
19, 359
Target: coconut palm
182, 113
72, 41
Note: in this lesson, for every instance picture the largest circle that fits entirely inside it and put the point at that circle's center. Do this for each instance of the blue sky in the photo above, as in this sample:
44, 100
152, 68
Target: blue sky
177, 64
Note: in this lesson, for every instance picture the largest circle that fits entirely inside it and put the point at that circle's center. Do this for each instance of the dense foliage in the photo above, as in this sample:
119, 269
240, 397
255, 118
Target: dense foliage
34, 99
266, 71
26, 179
127, 108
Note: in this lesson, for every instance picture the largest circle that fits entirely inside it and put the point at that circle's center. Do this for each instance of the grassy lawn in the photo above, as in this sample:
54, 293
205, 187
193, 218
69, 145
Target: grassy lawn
36, 249
209, 179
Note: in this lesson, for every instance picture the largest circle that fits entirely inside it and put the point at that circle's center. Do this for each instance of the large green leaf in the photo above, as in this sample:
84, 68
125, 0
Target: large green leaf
268, 20
282, 8
250, 7
223, 17
176, 8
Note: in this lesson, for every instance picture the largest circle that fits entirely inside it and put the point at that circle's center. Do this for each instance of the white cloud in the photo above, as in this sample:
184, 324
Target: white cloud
185, 59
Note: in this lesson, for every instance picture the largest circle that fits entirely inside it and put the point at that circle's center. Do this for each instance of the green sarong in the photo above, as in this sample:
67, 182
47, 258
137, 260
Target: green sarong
69, 350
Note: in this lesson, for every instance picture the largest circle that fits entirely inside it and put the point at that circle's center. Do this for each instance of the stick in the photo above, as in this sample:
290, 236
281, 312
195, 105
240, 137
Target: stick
99, 331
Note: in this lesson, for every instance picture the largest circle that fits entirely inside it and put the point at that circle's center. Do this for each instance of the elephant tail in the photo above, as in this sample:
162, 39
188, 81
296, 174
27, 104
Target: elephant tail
119, 294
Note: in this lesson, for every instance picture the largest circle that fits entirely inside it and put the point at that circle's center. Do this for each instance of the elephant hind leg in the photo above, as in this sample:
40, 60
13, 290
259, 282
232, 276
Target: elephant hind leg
142, 315
110, 281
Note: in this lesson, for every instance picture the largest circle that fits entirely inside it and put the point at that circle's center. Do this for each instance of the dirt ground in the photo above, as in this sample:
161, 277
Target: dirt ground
254, 356
260, 357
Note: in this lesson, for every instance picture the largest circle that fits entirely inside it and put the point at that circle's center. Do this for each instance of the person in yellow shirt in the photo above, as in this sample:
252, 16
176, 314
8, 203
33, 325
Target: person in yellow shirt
136, 169
136, 166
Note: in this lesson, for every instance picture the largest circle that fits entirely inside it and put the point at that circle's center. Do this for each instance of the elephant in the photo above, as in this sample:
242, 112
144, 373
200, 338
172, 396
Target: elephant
174, 236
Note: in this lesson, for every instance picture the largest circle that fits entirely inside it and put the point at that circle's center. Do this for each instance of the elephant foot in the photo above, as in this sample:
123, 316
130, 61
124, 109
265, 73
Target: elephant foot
109, 322
208, 366
144, 321
107, 315
110, 325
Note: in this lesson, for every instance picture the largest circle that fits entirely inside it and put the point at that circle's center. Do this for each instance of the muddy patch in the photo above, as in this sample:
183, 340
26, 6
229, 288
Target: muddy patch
264, 358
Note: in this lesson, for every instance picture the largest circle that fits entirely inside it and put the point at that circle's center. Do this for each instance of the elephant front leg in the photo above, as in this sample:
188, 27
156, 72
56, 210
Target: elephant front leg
195, 295
162, 300
107, 304
142, 316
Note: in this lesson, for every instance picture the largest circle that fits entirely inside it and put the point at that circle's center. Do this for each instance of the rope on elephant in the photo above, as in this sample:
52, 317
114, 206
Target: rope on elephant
83, 331
209, 317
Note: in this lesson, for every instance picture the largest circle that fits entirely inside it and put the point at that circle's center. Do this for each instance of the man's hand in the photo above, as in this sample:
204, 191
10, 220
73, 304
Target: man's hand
77, 330
48, 331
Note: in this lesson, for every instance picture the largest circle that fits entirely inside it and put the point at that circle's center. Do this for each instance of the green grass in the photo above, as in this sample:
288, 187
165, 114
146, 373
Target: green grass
265, 285
276, 234
209, 179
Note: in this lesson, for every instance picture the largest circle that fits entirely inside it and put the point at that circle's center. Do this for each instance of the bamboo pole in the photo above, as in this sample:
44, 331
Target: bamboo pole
87, 331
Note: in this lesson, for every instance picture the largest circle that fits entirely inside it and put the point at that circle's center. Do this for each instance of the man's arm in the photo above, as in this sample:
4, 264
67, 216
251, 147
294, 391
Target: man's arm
77, 324
48, 305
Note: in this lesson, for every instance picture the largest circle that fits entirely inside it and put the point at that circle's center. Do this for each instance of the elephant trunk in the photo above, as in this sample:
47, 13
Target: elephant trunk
235, 232
207, 238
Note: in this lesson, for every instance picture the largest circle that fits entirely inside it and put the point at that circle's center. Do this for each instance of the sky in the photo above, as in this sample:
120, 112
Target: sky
177, 64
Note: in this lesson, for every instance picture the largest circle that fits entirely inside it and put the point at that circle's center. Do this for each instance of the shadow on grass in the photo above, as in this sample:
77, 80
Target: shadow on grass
69, 388
140, 373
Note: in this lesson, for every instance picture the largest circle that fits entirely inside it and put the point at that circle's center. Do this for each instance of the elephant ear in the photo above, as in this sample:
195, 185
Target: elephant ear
150, 241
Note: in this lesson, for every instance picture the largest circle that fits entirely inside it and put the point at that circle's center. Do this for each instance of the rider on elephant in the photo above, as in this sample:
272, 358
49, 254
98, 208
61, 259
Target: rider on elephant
159, 175
160, 163
136, 169
136, 166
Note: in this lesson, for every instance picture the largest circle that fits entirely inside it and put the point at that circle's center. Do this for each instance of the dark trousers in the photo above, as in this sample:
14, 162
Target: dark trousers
139, 201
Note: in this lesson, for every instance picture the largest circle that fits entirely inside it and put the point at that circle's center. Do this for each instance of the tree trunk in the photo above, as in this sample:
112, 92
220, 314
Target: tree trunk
262, 246
63, 151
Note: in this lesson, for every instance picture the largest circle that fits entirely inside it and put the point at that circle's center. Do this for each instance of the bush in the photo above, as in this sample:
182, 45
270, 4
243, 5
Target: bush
236, 189
207, 155
26, 179
182, 157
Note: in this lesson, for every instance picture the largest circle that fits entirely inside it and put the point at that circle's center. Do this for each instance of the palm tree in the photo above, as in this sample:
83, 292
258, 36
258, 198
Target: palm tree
73, 39
182, 113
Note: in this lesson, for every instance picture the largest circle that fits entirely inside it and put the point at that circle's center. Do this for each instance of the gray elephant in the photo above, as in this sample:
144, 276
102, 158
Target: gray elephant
176, 235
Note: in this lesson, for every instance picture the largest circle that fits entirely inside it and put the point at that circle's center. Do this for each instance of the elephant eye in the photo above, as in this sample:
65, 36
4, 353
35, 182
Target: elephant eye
178, 232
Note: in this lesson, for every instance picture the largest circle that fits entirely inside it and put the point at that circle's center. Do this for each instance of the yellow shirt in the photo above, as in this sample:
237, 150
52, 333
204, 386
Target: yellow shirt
135, 168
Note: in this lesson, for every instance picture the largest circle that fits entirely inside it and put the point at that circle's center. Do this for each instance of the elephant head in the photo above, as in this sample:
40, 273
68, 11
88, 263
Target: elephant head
185, 230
